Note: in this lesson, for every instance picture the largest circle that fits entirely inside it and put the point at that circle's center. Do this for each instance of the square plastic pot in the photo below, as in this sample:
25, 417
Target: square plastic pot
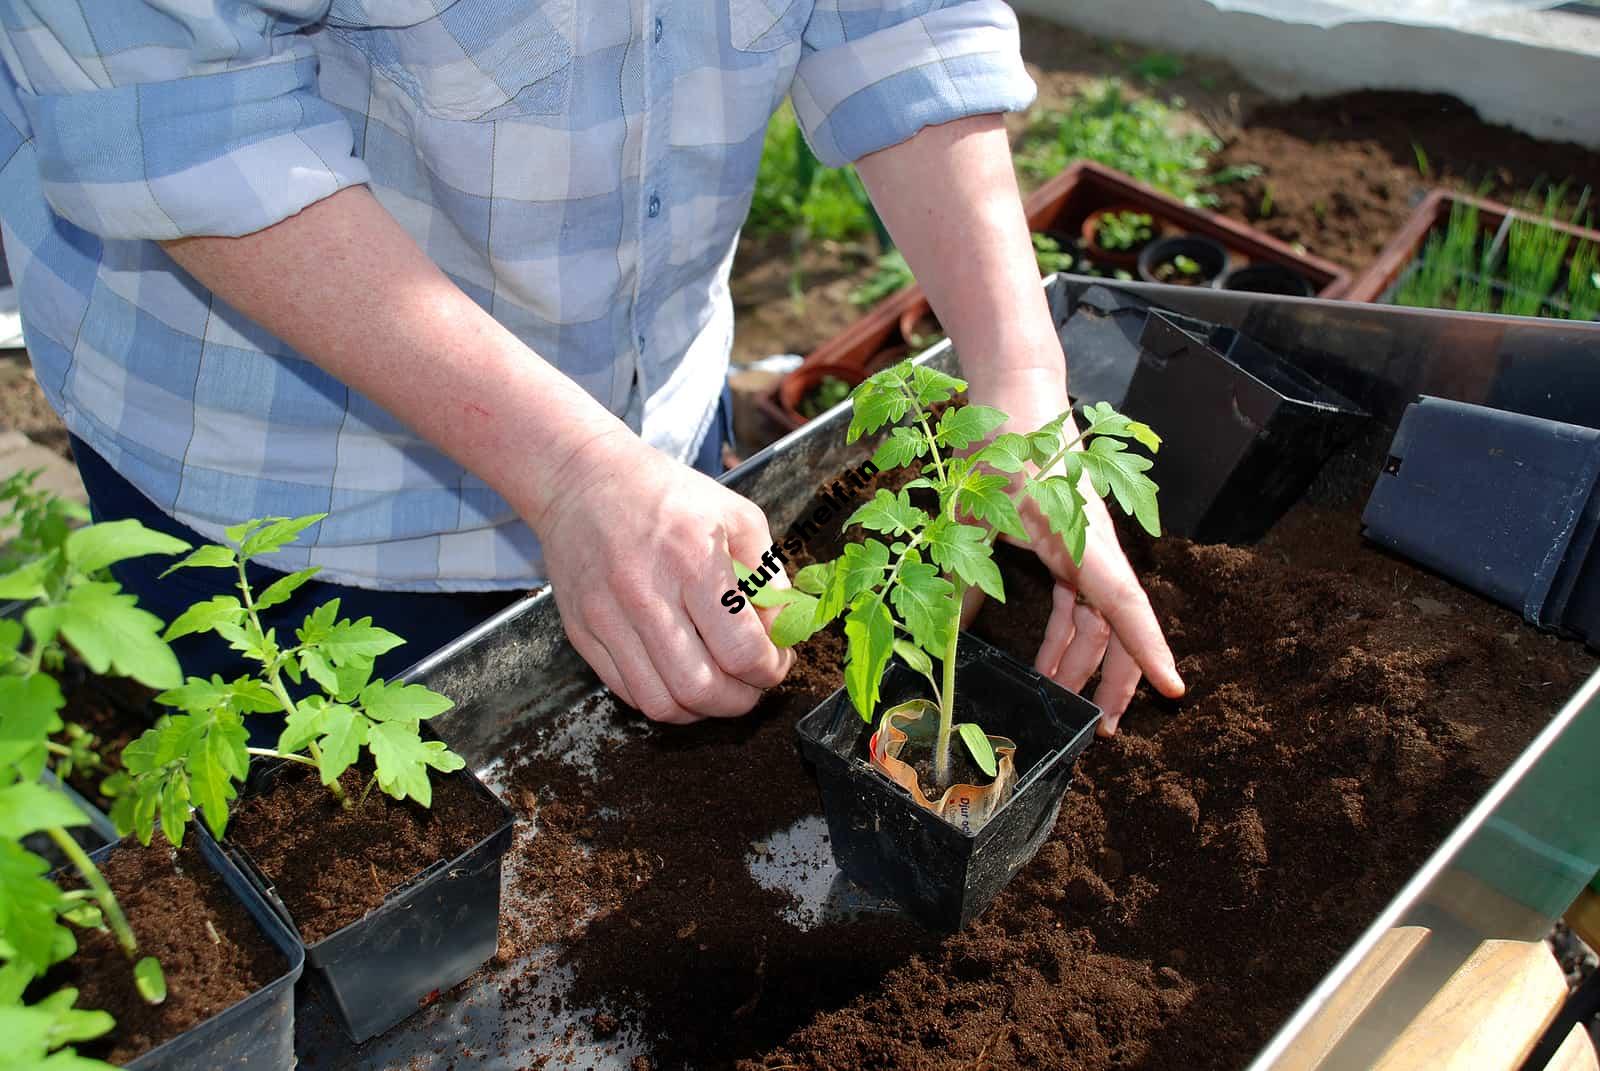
1505, 504
257, 1033
1244, 431
884, 841
426, 936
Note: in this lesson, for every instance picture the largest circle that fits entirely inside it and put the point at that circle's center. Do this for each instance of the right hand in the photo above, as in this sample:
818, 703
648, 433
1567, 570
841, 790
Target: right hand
639, 550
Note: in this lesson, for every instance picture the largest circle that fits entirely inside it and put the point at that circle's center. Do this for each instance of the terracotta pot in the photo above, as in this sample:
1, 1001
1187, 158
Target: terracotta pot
807, 378
1114, 258
919, 322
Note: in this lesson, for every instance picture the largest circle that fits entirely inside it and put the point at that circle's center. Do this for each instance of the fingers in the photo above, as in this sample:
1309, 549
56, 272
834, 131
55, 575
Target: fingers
682, 681
1119, 677
1090, 636
1057, 632
739, 642
1134, 622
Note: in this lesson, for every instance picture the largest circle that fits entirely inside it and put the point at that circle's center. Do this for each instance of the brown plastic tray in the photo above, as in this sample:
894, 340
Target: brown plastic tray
1060, 205
1431, 214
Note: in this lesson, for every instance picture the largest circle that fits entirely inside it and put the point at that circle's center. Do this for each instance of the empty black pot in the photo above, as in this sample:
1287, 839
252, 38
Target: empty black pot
884, 841
1244, 431
427, 935
1502, 503
1211, 257
1265, 279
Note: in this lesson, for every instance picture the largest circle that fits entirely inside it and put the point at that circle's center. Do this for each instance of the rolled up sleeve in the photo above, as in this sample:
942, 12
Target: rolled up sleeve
868, 79
153, 121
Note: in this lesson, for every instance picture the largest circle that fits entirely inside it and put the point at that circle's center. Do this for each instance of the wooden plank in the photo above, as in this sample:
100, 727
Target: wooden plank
1583, 917
1392, 952
1575, 1054
1488, 1016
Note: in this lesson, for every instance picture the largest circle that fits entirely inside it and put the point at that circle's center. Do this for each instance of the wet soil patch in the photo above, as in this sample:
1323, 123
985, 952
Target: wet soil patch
331, 865
211, 951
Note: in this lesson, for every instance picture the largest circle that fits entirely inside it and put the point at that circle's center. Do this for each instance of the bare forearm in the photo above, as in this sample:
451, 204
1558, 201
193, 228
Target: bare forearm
949, 197
345, 285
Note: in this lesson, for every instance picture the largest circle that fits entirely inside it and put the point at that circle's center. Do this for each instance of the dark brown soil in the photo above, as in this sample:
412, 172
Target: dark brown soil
332, 865
114, 710
212, 952
1338, 697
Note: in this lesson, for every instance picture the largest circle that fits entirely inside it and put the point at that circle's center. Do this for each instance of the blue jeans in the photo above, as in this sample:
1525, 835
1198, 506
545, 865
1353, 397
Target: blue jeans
426, 621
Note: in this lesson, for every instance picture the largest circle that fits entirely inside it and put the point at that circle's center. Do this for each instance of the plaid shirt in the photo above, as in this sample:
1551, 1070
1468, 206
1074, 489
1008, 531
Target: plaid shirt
581, 171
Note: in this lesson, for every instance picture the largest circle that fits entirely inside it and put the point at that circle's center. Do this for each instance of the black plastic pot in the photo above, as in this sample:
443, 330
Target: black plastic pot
883, 840
429, 933
1265, 279
1244, 431
1210, 255
257, 1033
1502, 503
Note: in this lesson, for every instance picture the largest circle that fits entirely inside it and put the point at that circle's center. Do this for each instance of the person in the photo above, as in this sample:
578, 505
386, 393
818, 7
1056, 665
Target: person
455, 273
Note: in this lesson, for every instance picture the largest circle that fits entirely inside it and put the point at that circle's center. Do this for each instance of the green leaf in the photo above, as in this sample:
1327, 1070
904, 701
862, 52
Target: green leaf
813, 579
396, 701
275, 534
860, 568
205, 616
28, 581
29, 712
174, 809
1008, 453
986, 498
978, 747
93, 548
1062, 504
34, 1035
402, 761
901, 447
963, 549
110, 632
316, 666
878, 400
238, 533
926, 603
85, 915
29, 807
1111, 467
960, 428
210, 556
914, 656
216, 762
1045, 443
29, 904
797, 621
280, 590
888, 512
932, 386
349, 640
201, 697
869, 638
345, 731
769, 596
307, 723
149, 980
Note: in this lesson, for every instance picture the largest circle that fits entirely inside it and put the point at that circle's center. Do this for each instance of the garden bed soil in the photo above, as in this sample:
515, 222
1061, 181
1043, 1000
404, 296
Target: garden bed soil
1211, 862
332, 865
174, 912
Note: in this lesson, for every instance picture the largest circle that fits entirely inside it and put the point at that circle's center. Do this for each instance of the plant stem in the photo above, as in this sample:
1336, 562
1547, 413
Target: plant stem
922, 418
269, 753
947, 698
99, 887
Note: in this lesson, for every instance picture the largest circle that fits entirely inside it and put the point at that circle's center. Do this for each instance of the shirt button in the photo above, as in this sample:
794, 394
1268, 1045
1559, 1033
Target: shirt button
658, 31
655, 206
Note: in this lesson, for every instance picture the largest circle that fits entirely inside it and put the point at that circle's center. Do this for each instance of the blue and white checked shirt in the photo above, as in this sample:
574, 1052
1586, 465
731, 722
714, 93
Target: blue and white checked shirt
580, 170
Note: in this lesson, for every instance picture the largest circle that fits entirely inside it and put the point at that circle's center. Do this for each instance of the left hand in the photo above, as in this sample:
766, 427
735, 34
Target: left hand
1100, 617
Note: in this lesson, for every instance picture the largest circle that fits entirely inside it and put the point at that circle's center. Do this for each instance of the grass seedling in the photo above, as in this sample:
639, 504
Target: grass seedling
1157, 67
1117, 231
201, 754
1535, 255
1583, 282
899, 588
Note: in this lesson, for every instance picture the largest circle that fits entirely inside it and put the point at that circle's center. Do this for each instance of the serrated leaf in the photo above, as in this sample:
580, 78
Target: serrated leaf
307, 723
1008, 453
237, 533
216, 761
205, 616
797, 621
149, 980
1145, 435
1111, 467
344, 732
27, 581
1045, 443
978, 747
84, 915
963, 549
110, 633
770, 596
210, 556
397, 701
403, 760
877, 400
987, 499
932, 386
316, 666
888, 512
352, 676
276, 533
914, 656
347, 640
813, 579
197, 696
1062, 504
280, 589
29, 712
869, 641
900, 447
174, 809
29, 807
29, 904
96, 546
926, 603
860, 568
960, 428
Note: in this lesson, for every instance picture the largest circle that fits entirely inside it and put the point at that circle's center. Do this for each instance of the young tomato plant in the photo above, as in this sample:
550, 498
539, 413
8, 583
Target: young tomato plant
901, 593
199, 755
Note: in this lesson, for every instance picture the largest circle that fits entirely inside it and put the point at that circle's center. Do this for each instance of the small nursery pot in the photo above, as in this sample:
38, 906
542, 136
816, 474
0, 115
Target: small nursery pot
1264, 278
918, 324
257, 1033
428, 934
1209, 255
798, 385
1088, 234
883, 840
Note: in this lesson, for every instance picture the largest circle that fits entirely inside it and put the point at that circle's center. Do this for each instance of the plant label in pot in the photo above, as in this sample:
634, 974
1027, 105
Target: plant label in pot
899, 589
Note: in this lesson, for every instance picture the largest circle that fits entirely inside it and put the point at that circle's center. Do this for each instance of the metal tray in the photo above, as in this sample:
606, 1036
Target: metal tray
1530, 840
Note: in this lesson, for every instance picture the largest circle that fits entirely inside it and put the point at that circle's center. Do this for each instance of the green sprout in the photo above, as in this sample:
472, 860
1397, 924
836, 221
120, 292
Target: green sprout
891, 274
829, 392
1120, 231
1050, 256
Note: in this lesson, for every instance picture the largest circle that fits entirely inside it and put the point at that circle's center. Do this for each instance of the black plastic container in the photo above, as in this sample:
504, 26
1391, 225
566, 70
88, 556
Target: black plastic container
428, 934
257, 1033
1505, 504
883, 840
1265, 279
1244, 432
1212, 257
